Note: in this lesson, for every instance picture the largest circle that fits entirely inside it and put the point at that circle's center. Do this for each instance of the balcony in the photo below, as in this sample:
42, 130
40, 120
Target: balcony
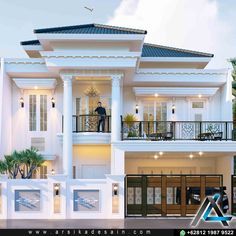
178, 130
89, 123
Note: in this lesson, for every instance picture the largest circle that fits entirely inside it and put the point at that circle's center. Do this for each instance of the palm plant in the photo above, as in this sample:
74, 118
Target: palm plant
3, 167
30, 160
130, 120
13, 163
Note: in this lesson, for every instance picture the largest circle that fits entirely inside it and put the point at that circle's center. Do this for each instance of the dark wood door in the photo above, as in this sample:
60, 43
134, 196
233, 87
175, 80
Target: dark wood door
169, 195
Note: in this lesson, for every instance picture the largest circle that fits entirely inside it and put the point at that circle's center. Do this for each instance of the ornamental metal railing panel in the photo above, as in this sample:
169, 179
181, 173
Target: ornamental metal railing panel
178, 130
90, 123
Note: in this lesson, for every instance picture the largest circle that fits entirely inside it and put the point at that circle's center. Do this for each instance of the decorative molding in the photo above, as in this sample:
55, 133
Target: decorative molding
82, 54
181, 72
91, 73
26, 61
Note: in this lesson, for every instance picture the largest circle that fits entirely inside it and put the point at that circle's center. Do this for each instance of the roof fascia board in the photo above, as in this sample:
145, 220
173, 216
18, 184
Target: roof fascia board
110, 37
32, 47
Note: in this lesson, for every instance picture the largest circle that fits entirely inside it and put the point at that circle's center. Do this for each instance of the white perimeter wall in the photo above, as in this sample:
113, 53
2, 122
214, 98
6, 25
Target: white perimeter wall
5, 112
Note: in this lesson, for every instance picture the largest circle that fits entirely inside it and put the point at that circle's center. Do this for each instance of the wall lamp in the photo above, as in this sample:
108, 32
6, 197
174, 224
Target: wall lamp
22, 102
173, 109
56, 188
115, 189
53, 102
136, 108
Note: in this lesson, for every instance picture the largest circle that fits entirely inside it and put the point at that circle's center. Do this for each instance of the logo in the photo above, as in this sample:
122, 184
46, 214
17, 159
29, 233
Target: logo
206, 208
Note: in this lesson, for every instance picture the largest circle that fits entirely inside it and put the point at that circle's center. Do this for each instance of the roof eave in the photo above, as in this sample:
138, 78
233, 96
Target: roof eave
175, 59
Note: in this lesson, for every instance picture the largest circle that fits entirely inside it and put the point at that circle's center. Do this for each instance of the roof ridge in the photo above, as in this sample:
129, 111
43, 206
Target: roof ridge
121, 28
63, 27
179, 49
90, 25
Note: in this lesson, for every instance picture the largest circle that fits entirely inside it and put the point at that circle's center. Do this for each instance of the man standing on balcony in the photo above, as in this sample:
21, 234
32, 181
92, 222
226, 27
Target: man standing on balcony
102, 116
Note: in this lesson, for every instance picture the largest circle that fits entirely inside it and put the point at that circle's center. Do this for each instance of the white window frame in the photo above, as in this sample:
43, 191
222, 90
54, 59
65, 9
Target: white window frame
38, 118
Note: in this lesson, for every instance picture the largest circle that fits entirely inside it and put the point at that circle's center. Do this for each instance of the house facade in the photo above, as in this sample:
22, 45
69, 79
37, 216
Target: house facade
168, 129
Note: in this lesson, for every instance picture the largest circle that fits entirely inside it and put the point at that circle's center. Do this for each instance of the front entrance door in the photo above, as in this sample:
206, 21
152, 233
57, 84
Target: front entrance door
168, 195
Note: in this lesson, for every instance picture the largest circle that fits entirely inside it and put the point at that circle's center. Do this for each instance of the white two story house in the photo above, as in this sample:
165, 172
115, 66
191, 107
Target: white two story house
168, 129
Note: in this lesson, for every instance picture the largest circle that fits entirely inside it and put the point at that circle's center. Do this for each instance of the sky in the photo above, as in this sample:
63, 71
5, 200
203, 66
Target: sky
203, 25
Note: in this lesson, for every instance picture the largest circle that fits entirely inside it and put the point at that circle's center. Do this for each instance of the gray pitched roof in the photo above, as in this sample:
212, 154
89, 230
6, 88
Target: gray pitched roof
90, 29
30, 43
153, 50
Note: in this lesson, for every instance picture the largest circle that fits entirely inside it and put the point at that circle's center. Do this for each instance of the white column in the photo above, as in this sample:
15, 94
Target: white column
117, 161
115, 106
226, 99
67, 125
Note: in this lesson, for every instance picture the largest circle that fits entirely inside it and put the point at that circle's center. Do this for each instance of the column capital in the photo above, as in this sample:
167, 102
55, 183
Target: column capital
66, 77
115, 79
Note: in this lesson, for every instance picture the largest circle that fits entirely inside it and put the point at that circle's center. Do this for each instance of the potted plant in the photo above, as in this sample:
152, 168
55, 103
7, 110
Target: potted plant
129, 120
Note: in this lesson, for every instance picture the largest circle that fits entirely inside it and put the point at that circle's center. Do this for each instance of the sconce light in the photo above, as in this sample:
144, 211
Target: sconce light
56, 189
115, 189
53, 102
53, 172
22, 102
136, 108
173, 109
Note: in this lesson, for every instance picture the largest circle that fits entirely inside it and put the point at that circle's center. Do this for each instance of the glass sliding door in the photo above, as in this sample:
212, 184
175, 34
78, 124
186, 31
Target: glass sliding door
154, 113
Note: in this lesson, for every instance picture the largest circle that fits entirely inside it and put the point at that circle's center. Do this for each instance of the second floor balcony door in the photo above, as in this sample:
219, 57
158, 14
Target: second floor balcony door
154, 116
85, 111
197, 113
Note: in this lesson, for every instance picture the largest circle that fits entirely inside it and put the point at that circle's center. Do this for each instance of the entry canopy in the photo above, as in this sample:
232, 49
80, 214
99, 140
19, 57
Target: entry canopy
35, 83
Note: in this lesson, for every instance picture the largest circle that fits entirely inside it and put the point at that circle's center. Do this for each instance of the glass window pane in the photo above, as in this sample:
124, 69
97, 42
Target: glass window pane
32, 112
43, 112
161, 111
138, 195
197, 105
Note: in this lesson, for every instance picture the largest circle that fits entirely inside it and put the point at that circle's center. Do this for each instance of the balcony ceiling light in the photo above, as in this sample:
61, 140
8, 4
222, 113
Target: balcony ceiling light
156, 156
91, 92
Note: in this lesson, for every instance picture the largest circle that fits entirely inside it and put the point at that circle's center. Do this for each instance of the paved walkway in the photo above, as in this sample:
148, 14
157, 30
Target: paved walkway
131, 223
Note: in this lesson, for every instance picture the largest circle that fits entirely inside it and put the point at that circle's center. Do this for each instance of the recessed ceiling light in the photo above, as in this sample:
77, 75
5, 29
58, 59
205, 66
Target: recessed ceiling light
161, 153
191, 156
200, 153
155, 156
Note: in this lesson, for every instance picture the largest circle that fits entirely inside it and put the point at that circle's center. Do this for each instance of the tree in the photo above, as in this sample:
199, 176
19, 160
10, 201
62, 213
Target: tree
13, 163
30, 160
3, 167
24, 162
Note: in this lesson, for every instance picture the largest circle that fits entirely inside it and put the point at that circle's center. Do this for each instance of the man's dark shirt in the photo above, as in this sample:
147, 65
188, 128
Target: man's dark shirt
101, 111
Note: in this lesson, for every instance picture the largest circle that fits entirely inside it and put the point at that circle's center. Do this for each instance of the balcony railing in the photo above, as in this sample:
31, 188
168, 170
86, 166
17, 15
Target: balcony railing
89, 123
178, 130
